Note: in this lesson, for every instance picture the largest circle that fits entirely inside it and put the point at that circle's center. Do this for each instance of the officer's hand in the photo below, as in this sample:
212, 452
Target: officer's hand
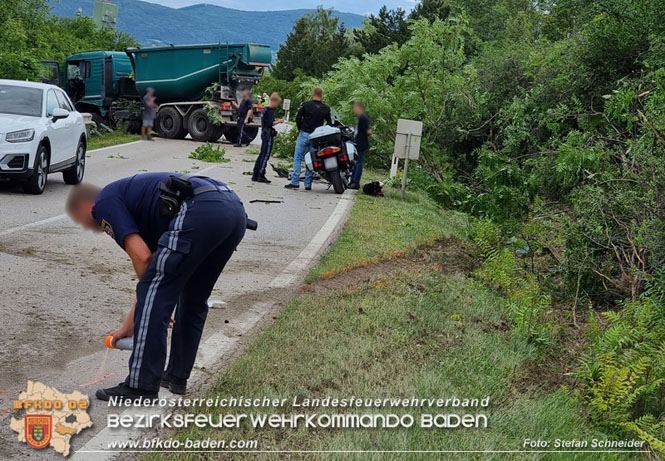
125, 331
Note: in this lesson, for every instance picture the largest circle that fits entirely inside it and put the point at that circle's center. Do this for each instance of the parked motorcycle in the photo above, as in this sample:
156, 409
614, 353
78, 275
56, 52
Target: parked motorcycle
334, 154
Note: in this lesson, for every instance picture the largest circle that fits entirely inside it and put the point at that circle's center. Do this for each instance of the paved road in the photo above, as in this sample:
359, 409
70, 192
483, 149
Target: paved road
63, 289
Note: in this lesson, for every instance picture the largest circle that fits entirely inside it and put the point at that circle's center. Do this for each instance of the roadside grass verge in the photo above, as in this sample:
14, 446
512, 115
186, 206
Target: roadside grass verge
404, 325
98, 141
383, 227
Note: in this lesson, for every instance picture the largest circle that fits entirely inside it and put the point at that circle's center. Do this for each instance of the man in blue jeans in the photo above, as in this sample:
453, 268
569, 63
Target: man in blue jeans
363, 132
311, 115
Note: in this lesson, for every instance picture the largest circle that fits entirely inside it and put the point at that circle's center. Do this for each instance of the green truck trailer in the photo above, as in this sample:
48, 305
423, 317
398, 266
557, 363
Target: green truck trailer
181, 76
109, 85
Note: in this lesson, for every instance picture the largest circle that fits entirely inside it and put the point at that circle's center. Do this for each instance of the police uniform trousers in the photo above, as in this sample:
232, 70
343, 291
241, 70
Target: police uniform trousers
261, 162
190, 257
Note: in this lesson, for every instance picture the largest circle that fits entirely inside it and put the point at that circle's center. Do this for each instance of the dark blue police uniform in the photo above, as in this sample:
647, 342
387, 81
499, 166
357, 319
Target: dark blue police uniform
267, 123
244, 107
189, 253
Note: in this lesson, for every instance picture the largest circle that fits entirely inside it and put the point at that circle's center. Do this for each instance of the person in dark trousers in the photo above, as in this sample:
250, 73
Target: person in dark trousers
149, 109
244, 114
311, 115
177, 260
363, 132
267, 135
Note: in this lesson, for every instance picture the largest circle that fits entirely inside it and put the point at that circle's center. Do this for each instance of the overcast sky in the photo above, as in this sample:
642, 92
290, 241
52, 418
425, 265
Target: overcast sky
351, 6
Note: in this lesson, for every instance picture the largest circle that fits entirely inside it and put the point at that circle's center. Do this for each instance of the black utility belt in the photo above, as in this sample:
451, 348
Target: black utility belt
269, 131
177, 189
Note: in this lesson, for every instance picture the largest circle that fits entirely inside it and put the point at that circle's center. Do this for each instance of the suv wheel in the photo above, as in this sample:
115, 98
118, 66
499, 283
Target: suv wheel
37, 182
74, 175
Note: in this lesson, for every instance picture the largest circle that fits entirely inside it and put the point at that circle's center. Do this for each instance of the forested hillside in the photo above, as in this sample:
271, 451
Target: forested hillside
154, 24
30, 33
543, 121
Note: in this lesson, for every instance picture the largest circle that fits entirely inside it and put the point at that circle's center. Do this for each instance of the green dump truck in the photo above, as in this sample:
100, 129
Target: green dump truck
181, 76
109, 85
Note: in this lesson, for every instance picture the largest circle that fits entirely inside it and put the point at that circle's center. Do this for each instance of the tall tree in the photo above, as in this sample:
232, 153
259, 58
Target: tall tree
30, 33
431, 10
315, 44
379, 31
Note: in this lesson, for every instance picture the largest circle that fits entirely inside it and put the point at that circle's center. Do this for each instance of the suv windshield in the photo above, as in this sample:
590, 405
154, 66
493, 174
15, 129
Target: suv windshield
20, 100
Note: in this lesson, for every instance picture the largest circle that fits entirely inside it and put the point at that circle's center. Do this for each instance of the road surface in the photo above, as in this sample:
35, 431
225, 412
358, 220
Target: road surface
64, 289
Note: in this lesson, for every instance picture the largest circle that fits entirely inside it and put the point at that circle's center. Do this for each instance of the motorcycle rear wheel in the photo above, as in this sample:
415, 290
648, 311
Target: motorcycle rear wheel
337, 181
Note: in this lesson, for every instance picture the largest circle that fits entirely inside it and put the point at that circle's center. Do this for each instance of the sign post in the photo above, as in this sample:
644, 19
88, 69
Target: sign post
407, 146
286, 105
406, 167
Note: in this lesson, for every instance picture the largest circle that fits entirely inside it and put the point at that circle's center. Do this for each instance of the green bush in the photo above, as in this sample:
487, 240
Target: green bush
624, 370
525, 300
210, 152
285, 144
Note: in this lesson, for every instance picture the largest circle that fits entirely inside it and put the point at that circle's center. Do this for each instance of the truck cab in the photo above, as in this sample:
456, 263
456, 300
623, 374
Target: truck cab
93, 80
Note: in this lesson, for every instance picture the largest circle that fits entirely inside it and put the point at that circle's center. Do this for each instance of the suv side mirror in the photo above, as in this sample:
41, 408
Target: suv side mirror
59, 113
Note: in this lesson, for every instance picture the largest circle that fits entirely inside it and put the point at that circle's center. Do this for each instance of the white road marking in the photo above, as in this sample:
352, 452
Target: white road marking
12, 230
61, 216
211, 167
115, 146
293, 270
218, 344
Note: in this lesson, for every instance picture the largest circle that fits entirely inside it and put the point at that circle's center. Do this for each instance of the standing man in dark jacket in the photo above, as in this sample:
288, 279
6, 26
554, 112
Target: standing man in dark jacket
244, 114
363, 132
268, 120
311, 115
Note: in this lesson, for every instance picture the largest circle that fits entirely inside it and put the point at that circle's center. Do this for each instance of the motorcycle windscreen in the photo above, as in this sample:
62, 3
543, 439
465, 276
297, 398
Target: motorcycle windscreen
330, 163
308, 161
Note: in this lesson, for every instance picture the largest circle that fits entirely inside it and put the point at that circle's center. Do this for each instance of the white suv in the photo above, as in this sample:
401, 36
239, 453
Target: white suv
40, 133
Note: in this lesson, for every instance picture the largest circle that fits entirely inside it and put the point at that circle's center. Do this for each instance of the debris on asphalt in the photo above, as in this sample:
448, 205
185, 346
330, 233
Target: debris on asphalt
216, 304
281, 172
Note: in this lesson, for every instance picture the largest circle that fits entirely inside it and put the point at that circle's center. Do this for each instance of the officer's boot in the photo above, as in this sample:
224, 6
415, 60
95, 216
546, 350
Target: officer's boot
262, 178
255, 176
123, 391
175, 385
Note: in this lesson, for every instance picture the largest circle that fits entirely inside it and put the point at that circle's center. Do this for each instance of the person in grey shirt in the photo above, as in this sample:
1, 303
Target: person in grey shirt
149, 109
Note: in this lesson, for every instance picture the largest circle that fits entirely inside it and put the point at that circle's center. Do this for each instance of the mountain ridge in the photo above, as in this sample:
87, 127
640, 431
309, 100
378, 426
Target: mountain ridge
154, 24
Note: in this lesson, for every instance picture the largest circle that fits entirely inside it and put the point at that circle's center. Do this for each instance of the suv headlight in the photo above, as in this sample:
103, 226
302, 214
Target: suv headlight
20, 136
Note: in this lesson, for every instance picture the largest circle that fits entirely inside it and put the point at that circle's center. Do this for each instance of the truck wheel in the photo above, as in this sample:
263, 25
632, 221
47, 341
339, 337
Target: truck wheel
200, 127
134, 127
74, 175
231, 134
250, 133
216, 133
337, 181
37, 182
170, 124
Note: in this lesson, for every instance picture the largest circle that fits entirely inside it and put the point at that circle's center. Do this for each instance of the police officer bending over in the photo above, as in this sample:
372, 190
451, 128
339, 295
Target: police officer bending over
179, 232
